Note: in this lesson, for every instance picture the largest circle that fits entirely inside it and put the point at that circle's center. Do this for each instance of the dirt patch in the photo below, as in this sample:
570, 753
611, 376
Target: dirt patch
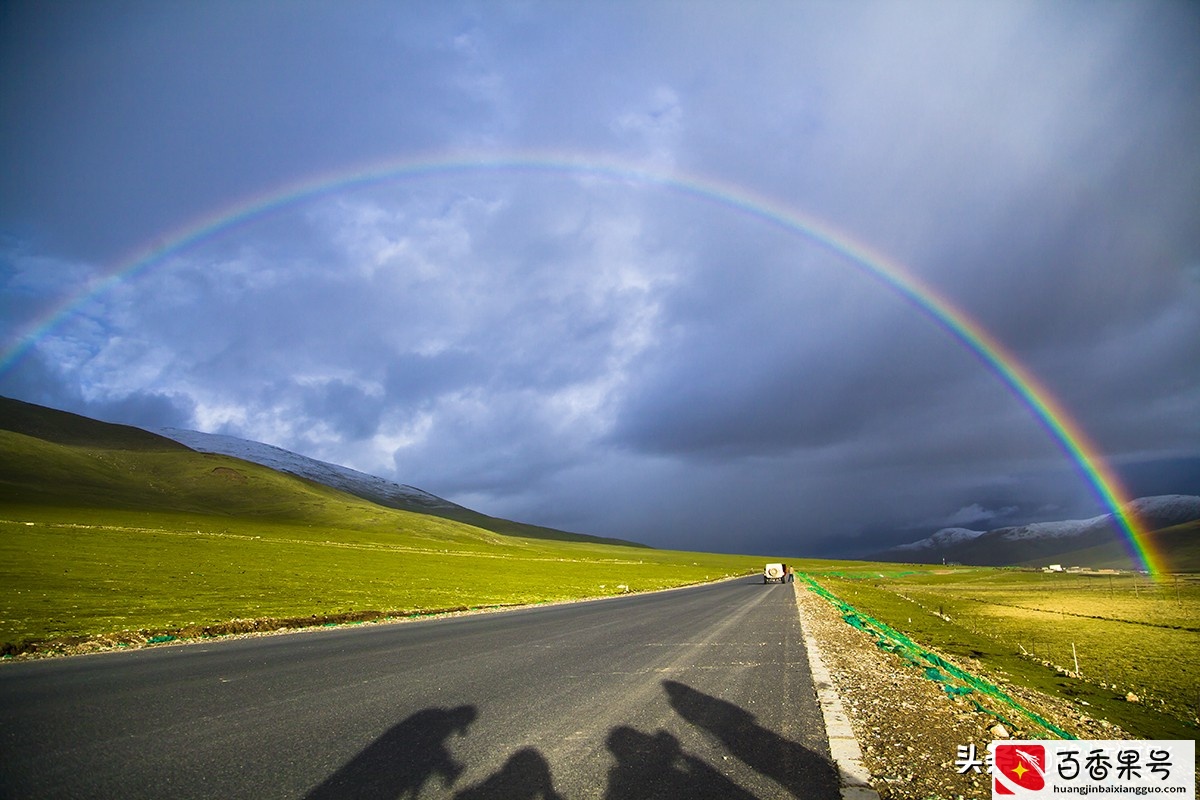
229, 474
909, 729
78, 645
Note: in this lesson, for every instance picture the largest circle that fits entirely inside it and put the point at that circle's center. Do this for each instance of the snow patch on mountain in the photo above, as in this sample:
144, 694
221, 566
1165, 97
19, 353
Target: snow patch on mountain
1059, 529
943, 538
1161, 511
351, 481
1169, 509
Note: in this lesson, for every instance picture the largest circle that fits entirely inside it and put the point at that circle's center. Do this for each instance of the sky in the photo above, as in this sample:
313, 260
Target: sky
525, 305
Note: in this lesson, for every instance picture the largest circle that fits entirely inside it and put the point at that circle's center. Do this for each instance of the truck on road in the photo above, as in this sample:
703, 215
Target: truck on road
777, 573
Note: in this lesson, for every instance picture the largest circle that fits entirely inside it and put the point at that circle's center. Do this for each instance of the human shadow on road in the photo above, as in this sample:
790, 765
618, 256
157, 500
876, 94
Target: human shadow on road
402, 760
801, 771
656, 766
525, 776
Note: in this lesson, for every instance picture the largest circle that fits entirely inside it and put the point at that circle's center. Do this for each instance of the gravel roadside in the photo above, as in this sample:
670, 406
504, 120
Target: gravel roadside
908, 728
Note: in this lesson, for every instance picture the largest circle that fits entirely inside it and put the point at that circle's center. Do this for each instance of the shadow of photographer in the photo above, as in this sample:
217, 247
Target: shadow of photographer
801, 771
403, 759
525, 776
414, 752
656, 766
411, 753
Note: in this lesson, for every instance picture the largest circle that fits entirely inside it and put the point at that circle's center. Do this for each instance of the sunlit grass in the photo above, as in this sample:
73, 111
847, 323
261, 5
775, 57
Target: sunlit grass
68, 579
1129, 635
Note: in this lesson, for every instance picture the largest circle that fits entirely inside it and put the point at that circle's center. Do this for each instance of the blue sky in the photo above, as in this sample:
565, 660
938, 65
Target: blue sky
614, 356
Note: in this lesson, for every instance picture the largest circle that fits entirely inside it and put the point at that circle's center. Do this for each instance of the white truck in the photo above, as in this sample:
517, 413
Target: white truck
777, 573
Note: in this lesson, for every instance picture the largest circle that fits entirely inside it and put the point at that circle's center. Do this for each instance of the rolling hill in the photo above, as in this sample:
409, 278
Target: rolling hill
81, 475
369, 487
114, 532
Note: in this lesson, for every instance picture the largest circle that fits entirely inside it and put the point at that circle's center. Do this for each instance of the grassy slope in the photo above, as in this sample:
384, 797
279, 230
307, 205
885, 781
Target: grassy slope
62, 427
107, 528
506, 527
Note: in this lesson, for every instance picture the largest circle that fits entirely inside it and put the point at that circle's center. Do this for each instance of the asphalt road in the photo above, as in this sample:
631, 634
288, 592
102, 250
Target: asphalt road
698, 693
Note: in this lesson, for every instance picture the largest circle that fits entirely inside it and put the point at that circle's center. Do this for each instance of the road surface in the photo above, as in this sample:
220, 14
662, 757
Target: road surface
696, 693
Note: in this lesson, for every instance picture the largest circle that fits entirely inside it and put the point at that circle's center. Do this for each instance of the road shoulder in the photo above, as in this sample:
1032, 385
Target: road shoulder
854, 776
905, 729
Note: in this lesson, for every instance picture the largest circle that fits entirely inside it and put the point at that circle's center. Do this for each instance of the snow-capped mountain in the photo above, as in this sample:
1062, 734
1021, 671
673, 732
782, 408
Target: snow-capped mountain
369, 487
1167, 509
1153, 512
1043, 540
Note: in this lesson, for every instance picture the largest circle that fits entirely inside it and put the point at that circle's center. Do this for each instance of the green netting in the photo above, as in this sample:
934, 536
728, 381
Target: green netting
954, 681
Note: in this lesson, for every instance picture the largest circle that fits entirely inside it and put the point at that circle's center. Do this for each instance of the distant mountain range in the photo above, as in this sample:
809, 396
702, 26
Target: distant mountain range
1172, 522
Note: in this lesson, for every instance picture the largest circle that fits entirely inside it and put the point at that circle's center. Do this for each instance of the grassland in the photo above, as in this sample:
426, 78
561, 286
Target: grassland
1130, 635
158, 572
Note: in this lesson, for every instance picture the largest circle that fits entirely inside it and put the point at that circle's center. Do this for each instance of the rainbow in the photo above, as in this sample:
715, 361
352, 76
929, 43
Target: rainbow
1048, 411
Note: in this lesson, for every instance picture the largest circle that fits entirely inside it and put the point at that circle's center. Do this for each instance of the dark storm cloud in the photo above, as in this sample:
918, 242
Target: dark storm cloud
1161, 476
145, 410
36, 381
599, 354
351, 412
127, 118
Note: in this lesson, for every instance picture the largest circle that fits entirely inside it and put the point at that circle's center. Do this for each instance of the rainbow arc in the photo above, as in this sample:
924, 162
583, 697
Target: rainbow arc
1008, 369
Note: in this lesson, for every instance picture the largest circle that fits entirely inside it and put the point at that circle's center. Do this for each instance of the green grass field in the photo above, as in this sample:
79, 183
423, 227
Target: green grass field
1129, 634
125, 571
